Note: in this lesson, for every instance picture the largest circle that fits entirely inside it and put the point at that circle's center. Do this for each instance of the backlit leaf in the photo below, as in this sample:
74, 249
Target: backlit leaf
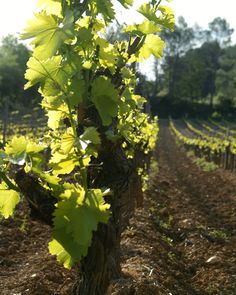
105, 8
51, 6
149, 12
54, 118
126, 3
48, 36
68, 140
105, 98
91, 134
166, 19
76, 217
153, 45
41, 71
8, 201
16, 150
65, 166
146, 27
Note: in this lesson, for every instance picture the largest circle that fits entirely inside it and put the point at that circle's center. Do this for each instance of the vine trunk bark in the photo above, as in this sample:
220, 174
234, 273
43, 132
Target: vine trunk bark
103, 260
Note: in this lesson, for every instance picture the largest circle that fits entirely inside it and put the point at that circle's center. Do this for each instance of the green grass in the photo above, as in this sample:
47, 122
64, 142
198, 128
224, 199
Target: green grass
202, 163
217, 233
205, 165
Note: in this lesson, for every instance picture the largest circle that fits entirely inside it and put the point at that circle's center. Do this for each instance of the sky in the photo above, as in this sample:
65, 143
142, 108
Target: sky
204, 11
15, 13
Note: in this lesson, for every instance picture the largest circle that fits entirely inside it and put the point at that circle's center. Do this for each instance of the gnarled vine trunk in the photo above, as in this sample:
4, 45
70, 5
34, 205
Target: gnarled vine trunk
103, 260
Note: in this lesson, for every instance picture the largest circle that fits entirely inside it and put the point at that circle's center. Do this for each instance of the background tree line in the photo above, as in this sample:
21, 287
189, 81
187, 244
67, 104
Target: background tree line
13, 58
197, 76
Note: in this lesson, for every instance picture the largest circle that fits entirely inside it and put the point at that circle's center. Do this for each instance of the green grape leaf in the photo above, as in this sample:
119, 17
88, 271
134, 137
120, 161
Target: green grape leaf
146, 27
76, 89
57, 110
139, 100
75, 219
126, 3
34, 148
48, 36
51, 6
105, 98
104, 7
168, 19
17, 145
53, 182
149, 12
107, 53
86, 21
16, 150
8, 201
43, 71
167, 15
50, 88
85, 36
112, 136
91, 135
68, 140
153, 45
68, 252
57, 157
63, 163
65, 166
36, 161
54, 118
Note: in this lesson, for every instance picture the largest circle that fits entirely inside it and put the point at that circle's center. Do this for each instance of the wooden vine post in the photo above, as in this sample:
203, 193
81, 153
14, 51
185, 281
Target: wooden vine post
99, 137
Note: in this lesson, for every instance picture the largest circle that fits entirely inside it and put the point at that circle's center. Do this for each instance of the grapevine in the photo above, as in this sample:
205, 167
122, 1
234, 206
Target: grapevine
216, 148
88, 93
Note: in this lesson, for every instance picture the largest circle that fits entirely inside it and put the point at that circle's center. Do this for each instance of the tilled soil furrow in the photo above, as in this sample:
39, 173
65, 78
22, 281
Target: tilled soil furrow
183, 242
201, 207
208, 193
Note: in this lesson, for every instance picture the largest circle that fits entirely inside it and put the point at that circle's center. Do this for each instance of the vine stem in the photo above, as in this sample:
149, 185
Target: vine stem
9, 183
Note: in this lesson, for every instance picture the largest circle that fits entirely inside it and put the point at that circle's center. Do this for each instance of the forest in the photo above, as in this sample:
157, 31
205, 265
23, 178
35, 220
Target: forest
196, 76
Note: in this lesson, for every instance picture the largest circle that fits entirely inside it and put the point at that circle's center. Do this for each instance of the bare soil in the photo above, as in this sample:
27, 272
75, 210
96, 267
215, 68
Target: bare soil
182, 242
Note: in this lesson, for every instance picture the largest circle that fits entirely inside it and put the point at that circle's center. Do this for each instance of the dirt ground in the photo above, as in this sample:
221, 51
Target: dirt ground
182, 242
